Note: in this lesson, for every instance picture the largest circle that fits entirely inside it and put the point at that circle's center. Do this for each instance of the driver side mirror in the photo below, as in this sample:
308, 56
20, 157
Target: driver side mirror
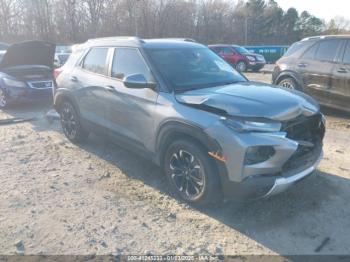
137, 81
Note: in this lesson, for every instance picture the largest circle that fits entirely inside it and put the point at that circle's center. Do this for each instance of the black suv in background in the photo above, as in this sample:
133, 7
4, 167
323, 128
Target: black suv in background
319, 66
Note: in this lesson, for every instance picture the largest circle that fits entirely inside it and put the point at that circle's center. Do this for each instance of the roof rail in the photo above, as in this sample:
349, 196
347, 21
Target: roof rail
102, 39
325, 37
180, 39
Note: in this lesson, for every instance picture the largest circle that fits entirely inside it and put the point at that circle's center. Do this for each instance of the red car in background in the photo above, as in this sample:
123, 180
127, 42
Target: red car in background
239, 57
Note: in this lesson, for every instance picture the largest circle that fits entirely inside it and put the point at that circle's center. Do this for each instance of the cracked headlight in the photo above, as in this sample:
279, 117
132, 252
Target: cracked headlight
243, 125
13, 83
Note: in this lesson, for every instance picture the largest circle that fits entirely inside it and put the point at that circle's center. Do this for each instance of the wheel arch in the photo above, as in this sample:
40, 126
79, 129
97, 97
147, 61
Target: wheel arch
175, 129
64, 95
289, 74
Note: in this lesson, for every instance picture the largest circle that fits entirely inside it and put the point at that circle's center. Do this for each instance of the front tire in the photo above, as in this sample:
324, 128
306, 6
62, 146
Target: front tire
241, 66
3, 99
289, 83
71, 123
191, 173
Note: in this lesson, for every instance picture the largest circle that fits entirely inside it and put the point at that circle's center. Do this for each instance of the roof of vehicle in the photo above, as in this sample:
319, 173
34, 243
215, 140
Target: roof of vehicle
326, 37
220, 45
145, 43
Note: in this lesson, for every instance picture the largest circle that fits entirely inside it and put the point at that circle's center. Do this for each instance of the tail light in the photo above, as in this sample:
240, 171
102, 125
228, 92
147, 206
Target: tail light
56, 73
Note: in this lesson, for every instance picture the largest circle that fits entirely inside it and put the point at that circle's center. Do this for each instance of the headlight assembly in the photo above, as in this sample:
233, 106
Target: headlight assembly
251, 58
13, 83
244, 125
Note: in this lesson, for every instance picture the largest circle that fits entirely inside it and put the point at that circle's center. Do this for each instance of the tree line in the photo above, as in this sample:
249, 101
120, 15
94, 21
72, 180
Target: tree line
252, 22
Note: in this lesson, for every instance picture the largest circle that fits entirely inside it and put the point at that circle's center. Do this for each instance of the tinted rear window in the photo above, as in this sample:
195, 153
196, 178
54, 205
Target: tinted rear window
327, 50
346, 58
95, 61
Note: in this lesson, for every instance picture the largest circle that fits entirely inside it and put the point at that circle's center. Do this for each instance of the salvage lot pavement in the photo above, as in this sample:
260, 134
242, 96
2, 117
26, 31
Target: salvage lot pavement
58, 198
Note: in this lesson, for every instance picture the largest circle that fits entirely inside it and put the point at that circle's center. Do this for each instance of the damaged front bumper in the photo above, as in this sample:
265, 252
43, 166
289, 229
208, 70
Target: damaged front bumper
284, 165
283, 183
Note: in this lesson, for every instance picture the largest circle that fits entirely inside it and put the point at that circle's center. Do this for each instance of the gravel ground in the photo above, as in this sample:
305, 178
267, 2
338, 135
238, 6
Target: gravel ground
58, 198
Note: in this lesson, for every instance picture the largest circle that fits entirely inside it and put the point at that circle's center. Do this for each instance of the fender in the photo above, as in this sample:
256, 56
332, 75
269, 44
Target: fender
61, 94
176, 127
291, 74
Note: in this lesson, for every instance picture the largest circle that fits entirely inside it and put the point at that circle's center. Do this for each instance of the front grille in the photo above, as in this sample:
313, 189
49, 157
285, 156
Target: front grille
309, 133
41, 85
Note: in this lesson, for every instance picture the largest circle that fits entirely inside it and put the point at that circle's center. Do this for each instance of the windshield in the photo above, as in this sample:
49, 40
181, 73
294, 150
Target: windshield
63, 49
241, 50
191, 68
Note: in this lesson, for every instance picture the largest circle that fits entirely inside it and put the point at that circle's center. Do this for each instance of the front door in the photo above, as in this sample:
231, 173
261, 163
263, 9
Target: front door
131, 110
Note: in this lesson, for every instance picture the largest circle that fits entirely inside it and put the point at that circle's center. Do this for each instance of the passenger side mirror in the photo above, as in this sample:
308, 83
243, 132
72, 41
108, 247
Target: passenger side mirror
137, 81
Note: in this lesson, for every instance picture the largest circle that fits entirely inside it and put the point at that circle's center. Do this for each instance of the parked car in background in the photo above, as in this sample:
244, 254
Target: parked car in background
319, 66
3, 46
26, 73
62, 54
239, 57
177, 103
270, 53
2, 53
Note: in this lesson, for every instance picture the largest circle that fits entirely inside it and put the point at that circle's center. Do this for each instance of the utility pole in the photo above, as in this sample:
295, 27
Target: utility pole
246, 31
136, 17
246, 23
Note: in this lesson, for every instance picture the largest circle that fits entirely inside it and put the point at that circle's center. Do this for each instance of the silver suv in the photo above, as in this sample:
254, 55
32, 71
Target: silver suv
176, 102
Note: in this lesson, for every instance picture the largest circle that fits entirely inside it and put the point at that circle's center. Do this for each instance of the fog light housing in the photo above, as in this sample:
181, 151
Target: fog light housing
258, 154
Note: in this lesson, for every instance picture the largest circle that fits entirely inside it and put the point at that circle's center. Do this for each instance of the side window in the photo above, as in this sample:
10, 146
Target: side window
95, 61
227, 51
216, 49
128, 61
310, 53
346, 59
327, 50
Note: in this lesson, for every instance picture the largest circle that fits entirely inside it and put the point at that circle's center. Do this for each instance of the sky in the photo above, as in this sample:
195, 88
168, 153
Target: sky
323, 9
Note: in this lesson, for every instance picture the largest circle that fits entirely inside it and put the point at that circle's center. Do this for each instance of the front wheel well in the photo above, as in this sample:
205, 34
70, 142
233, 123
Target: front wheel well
167, 139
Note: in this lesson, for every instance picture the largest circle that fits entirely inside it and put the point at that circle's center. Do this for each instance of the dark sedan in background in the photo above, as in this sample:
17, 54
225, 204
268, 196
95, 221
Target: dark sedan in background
26, 73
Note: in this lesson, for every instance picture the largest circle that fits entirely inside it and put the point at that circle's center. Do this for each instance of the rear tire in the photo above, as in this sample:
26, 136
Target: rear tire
191, 173
3, 99
71, 123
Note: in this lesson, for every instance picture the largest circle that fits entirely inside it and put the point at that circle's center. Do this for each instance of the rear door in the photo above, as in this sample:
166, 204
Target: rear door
228, 54
316, 68
90, 81
340, 91
131, 110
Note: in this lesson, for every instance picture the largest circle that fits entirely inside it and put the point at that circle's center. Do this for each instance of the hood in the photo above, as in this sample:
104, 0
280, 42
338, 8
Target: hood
29, 53
251, 99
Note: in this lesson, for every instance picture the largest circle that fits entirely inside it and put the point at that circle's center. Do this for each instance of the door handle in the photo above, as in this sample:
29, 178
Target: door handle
302, 65
342, 70
111, 88
73, 79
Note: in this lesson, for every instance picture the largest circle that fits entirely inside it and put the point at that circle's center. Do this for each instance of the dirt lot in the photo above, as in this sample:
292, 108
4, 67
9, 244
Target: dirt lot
58, 198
